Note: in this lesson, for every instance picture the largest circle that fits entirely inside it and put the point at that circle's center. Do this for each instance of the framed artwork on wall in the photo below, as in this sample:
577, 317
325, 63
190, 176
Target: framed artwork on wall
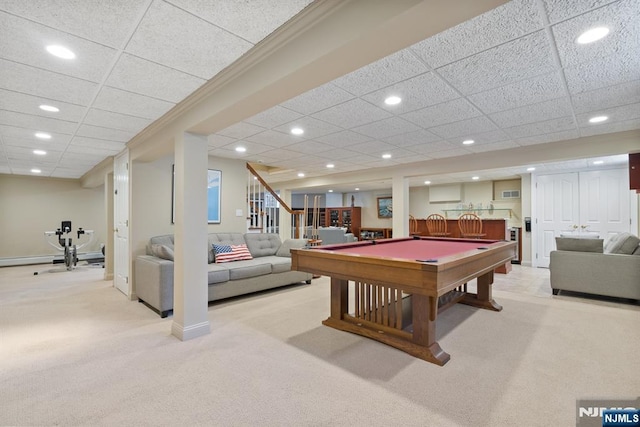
385, 207
214, 178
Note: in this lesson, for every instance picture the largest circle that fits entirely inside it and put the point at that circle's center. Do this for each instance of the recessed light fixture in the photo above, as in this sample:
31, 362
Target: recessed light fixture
35, 170
386, 156
330, 191
598, 119
427, 182
468, 141
297, 131
531, 169
393, 100
592, 35
475, 178
39, 152
331, 166
357, 189
60, 52
598, 162
300, 174
241, 149
43, 135
49, 108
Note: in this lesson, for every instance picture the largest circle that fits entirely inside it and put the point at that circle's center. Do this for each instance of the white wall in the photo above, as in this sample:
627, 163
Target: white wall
30, 205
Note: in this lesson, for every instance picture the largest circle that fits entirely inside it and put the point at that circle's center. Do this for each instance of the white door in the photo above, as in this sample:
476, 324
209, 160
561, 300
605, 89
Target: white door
604, 202
558, 209
594, 202
121, 222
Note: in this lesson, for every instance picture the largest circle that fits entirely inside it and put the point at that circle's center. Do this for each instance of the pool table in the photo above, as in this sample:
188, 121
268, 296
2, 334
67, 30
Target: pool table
401, 284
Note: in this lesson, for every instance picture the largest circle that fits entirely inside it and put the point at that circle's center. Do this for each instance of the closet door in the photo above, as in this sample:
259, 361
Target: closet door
604, 202
558, 209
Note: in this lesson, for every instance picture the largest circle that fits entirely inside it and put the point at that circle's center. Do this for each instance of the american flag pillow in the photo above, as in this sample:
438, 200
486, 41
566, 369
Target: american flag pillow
228, 253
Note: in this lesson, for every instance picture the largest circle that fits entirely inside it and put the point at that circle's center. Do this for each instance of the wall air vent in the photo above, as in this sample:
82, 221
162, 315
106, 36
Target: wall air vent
511, 194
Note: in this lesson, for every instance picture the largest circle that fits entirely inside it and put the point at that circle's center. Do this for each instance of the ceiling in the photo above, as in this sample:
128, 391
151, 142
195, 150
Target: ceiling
513, 77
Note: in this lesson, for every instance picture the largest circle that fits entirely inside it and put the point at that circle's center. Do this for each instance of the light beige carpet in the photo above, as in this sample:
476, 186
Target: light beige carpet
74, 351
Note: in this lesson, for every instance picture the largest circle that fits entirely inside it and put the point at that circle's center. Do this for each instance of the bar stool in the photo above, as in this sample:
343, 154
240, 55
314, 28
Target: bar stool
470, 226
437, 225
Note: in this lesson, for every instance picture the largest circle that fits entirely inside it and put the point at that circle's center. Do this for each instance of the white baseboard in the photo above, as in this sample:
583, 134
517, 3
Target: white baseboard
190, 332
45, 259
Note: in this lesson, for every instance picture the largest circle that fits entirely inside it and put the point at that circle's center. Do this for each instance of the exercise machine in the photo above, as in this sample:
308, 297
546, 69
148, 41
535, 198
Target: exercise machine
63, 241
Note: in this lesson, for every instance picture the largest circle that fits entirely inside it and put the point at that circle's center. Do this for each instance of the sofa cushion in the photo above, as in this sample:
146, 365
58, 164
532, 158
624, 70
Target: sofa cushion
637, 251
262, 244
223, 239
217, 274
162, 251
622, 243
279, 264
287, 245
230, 253
166, 240
579, 245
245, 269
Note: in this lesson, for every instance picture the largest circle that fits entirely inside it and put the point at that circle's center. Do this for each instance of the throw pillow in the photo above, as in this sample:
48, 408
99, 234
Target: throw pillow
162, 251
622, 243
579, 245
229, 253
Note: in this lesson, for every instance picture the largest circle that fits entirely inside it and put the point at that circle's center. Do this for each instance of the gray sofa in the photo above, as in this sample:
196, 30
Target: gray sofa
585, 265
269, 268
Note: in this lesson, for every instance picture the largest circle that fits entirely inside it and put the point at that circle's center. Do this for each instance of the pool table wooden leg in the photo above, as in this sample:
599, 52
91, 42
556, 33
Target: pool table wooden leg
339, 298
424, 313
484, 296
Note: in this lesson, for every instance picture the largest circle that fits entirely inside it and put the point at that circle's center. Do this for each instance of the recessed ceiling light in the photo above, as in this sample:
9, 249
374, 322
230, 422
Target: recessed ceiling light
297, 131
43, 135
475, 178
241, 149
36, 171
331, 166
592, 35
468, 141
330, 191
598, 119
49, 108
386, 156
393, 100
60, 52
300, 174
427, 182
530, 169
357, 189
598, 162
39, 152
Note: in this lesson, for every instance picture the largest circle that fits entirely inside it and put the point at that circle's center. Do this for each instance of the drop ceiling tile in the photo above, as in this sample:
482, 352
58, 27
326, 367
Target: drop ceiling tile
492, 146
252, 147
114, 18
284, 155
505, 64
559, 10
611, 70
546, 110
615, 114
525, 92
28, 46
97, 143
541, 128
241, 130
105, 133
418, 92
219, 141
56, 144
313, 128
37, 82
61, 172
318, 99
232, 15
109, 119
449, 153
396, 67
387, 128
620, 126
26, 154
338, 154
352, 114
507, 22
465, 128
412, 138
610, 96
622, 19
430, 147
83, 148
542, 138
483, 138
344, 138
310, 147
36, 123
374, 148
273, 117
132, 104
144, 77
177, 39
273, 138
447, 112
28, 104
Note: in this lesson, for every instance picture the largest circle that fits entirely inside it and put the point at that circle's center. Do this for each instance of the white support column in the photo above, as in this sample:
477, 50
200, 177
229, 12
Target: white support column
400, 194
286, 225
190, 299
